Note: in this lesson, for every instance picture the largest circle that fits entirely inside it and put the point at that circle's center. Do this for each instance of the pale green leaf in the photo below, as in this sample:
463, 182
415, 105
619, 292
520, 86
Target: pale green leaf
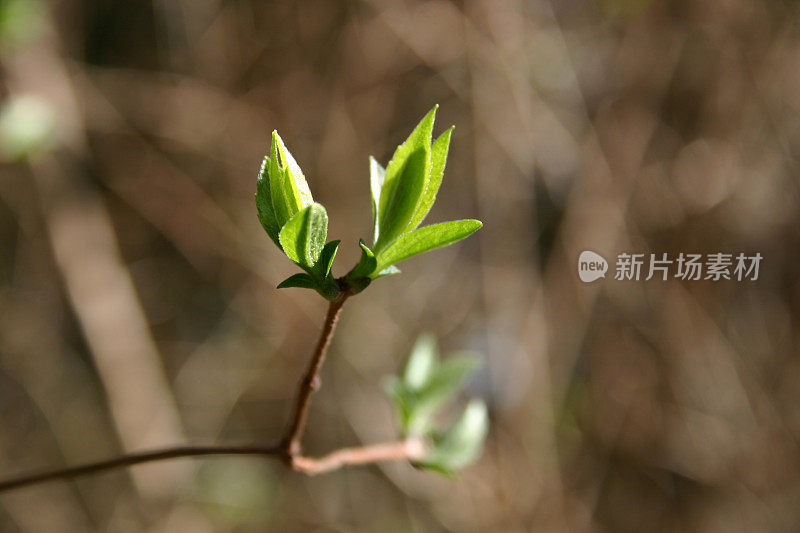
441, 386
443, 383
288, 187
297, 183
463, 443
421, 362
266, 213
280, 202
401, 399
427, 385
424, 239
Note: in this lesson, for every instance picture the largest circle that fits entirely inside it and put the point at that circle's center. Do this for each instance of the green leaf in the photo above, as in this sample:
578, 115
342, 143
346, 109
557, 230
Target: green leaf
438, 161
427, 385
450, 375
404, 183
303, 236
462, 444
377, 175
328, 287
266, 213
365, 265
441, 387
288, 187
401, 399
424, 239
325, 262
301, 280
281, 205
421, 362
299, 186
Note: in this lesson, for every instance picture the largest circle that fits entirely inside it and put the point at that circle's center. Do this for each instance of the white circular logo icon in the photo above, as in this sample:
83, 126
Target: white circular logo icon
591, 266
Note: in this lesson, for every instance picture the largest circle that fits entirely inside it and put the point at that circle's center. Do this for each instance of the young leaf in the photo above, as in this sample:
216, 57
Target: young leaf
301, 280
377, 175
325, 262
266, 213
462, 443
438, 160
427, 385
288, 187
422, 362
441, 387
365, 265
303, 236
321, 272
400, 396
444, 383
405, 179
424, 239
298, 184
281, 205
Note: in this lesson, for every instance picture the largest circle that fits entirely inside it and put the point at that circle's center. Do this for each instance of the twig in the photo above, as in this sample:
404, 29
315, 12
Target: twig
289, 449
405, 450
310, 382
136, 458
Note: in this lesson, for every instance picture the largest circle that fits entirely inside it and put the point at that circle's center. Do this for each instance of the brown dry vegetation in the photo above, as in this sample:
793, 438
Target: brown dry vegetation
137, 299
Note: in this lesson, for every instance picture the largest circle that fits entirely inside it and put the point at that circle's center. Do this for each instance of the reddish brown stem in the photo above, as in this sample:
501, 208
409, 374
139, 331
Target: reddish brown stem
289, 450
310, 382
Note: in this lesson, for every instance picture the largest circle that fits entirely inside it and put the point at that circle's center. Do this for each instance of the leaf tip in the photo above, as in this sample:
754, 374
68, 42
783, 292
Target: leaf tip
432, 112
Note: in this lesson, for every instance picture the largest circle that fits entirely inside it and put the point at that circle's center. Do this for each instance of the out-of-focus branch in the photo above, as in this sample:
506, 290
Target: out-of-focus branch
96, 279
406, 450
134, 459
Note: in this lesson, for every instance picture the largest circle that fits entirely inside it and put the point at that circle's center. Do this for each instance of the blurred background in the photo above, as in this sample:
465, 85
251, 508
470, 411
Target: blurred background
137, 289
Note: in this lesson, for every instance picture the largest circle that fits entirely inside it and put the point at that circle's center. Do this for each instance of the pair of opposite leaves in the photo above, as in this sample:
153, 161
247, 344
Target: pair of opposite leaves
402, 195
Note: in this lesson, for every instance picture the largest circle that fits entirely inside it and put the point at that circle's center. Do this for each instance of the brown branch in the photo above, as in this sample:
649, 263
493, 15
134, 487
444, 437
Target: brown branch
407, 450
289, 450
136, 458
311, 382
